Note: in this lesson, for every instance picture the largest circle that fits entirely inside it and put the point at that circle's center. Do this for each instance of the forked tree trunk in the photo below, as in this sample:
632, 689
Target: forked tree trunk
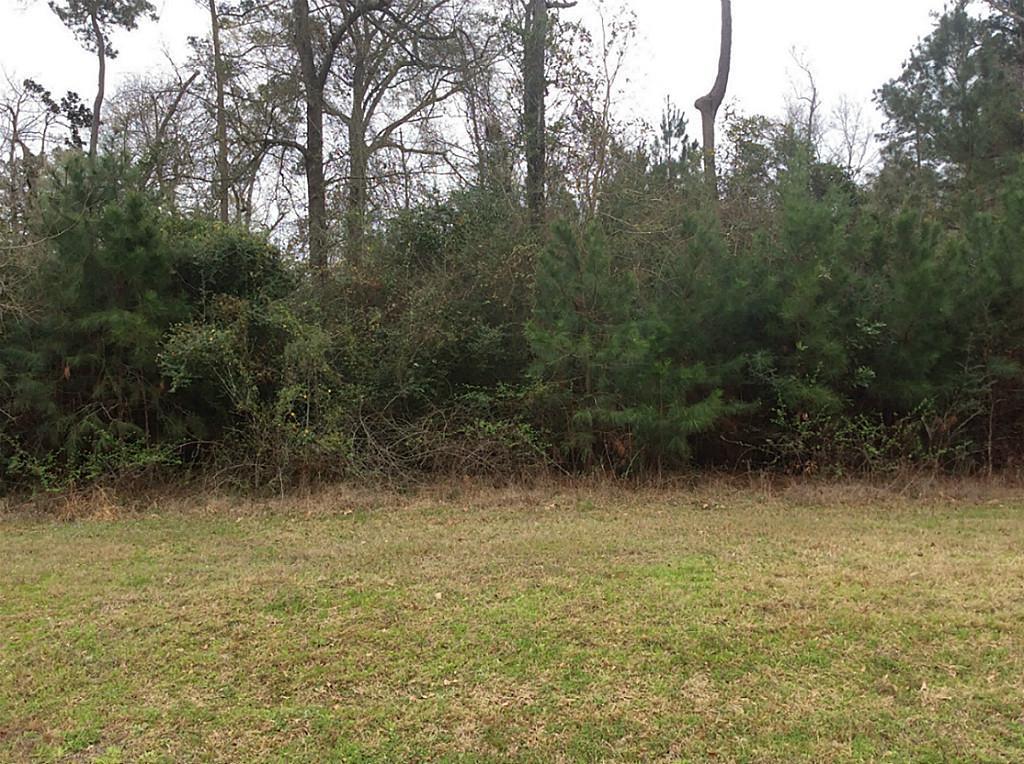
710, 104
314, 80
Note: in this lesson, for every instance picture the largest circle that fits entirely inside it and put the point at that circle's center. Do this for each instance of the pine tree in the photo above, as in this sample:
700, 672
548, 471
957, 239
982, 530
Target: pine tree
953, 117
600, 349
85, 375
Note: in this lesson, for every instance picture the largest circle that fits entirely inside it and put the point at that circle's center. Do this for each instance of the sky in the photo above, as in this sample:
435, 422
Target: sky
853, 48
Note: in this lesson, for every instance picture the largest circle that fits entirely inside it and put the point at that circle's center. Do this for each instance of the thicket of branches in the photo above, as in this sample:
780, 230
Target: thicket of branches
396, 238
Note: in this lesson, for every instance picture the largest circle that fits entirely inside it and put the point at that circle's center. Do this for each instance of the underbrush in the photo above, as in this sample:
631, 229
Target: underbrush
206, 494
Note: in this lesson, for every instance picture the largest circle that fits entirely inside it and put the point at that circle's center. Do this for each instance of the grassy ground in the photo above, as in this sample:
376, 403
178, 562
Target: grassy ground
701, 625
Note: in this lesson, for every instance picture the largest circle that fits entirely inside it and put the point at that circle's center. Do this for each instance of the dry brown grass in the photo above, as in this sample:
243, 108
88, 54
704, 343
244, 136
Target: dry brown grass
108, 503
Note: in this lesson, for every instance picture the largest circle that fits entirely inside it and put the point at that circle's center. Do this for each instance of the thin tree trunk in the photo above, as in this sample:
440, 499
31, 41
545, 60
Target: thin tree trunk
14, 200
313, 153
160, 130
534, 119
709, 105
358, 166
222, 182
101, 84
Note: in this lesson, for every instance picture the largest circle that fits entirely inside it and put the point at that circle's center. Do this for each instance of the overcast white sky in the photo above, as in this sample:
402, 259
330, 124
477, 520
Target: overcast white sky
853, 46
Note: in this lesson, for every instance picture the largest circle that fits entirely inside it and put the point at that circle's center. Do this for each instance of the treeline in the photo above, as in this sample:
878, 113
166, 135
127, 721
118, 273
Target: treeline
329, 254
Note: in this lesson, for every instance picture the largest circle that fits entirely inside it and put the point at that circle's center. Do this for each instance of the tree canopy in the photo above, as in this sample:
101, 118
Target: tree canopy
405, 238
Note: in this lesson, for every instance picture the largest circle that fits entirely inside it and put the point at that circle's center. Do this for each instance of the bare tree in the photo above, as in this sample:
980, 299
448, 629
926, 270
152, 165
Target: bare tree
803, 107
853, 142
160, 122
32, 123
28, 117
222, 184
317, 46
489, 115
249, 99
709, 104
179, 90
20, 120
401, 66
843, 136
588, 151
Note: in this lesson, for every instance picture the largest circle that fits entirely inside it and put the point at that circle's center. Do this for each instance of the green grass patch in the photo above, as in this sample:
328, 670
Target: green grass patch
602, 628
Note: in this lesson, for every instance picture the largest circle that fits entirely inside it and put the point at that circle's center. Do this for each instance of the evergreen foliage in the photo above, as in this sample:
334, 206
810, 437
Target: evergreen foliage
605, 353
805, 321
954, 125
84, 383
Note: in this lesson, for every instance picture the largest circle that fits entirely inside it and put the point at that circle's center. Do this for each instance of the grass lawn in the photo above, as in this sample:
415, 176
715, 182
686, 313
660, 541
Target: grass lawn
592, 625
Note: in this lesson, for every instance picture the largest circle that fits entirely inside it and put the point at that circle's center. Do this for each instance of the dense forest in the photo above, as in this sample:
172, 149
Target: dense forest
391, 239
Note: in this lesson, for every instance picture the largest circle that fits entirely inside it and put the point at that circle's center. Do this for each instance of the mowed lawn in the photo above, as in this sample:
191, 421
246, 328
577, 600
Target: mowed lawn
599, 625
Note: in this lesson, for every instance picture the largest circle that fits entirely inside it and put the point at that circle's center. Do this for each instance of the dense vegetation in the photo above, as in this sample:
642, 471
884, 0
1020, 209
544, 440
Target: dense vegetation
163, 308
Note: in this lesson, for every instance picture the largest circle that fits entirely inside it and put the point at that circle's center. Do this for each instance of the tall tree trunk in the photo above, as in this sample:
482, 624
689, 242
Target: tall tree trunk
222, 182
313, 152
709, 105
358, 197
316, 187
101, 84
535, 34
